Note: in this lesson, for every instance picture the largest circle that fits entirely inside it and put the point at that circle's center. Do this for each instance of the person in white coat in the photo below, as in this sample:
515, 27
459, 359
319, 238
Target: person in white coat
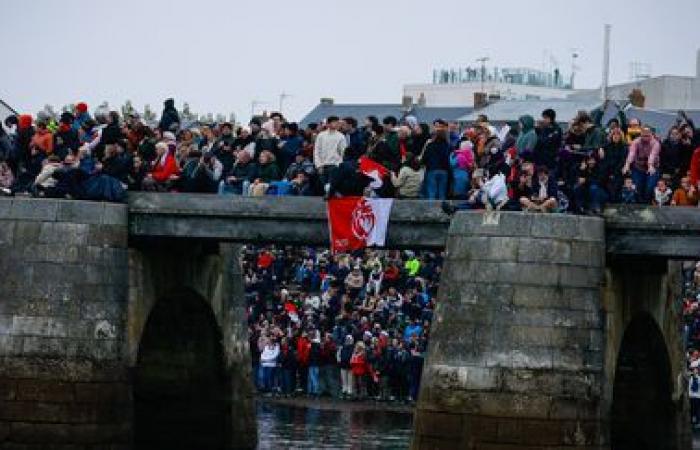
268, 361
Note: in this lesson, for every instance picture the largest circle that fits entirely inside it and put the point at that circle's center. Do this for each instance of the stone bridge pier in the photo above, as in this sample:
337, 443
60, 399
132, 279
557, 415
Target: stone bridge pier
107, 342
539, 341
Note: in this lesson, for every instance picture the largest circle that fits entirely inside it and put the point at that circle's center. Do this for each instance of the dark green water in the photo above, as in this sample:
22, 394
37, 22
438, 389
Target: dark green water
287, 427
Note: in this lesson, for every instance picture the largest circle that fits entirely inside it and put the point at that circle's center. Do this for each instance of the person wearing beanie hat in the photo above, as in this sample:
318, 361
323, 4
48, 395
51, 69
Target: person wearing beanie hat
81, 115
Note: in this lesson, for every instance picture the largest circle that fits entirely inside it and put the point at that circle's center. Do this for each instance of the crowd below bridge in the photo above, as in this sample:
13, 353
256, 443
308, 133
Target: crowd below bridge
533, 165
352, 326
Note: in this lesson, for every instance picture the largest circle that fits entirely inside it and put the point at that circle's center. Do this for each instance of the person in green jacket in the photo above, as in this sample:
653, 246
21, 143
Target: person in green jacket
527, 140
412, 266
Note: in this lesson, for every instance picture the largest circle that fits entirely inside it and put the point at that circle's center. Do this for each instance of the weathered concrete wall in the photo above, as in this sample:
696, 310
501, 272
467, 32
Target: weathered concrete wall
213, 272
516, 353
63, 298
414, 224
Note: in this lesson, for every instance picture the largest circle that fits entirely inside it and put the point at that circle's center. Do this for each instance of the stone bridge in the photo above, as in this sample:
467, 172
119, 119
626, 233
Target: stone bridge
122, 326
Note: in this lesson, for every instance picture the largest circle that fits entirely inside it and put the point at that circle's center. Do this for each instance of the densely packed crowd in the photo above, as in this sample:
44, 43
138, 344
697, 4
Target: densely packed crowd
346, 325
531, 165
691, 328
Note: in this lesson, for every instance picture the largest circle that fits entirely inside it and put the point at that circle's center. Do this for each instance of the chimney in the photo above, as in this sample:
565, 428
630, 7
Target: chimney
480, 100
406, 102
637, 98
327, 101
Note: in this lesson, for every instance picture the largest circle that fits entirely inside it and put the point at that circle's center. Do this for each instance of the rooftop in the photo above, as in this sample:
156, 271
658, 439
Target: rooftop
511, 110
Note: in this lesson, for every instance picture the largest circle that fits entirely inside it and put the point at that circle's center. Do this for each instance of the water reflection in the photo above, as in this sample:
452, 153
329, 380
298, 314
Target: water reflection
281, 426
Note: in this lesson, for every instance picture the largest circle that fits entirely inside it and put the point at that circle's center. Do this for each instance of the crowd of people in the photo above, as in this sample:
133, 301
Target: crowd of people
353, 326
691, 328
530, 165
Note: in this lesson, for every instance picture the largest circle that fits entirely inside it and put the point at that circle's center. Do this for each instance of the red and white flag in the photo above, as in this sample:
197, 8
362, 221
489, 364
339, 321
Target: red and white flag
357, 222
373, 170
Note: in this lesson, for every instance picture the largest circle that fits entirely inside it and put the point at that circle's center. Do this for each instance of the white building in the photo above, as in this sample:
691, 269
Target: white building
453, 88
457, 87
664, 92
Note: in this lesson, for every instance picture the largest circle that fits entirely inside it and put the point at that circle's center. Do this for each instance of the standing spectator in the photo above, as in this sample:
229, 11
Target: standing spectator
313, 388
170, 118
358, 365
328, 150
643, 162
268, 361
694, 394
344, 356
549, 140
329, 375
436, 160
356, 139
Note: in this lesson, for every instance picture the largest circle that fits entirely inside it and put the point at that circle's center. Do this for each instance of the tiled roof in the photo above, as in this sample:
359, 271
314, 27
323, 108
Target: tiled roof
361, 110
511, 110
358, 111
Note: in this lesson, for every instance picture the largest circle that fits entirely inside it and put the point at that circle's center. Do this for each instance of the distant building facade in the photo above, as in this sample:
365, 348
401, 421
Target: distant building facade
457, 87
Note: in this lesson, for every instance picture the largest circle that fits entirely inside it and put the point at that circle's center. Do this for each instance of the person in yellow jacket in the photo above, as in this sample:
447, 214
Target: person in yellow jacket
412, 266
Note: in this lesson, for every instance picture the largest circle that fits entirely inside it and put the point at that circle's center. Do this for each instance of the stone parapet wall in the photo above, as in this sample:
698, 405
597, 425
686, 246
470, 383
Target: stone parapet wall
517, 345
63, 298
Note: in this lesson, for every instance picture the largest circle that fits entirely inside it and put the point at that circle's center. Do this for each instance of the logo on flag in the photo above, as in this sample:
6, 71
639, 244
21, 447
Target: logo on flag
357, 222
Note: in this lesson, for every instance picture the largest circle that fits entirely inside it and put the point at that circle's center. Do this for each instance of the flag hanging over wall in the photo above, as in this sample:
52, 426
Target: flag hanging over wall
357, 222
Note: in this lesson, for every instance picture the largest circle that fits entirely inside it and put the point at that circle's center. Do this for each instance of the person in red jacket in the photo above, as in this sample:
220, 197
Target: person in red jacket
360, 369
303, 353
265, 260
695, 168
43, 138
165, 171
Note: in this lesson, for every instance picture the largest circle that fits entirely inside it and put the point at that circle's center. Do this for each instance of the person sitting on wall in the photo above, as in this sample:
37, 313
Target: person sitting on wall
544, 193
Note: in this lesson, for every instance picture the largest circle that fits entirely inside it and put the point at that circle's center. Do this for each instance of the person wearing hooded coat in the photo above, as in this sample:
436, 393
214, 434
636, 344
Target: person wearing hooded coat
527, 141
169, 117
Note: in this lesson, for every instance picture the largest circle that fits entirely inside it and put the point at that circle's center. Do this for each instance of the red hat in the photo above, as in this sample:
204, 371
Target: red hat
24, 121
81, 107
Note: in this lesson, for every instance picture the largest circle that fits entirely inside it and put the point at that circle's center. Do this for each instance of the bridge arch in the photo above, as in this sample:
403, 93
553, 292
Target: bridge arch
197, 288
645, 355
181, 391
643, 414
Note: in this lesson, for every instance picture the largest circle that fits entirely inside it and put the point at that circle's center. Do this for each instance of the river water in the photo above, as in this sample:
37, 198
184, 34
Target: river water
294, 427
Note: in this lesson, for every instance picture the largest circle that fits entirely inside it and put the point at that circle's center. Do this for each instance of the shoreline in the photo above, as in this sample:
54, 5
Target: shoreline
335, 404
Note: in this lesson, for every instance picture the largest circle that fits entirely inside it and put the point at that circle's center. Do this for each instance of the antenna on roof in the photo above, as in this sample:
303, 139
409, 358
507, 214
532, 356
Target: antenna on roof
606, 62
283, 97
574, 68
254, 104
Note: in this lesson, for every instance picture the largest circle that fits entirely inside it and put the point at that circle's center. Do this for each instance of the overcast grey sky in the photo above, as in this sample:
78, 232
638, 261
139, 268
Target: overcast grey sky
221, 54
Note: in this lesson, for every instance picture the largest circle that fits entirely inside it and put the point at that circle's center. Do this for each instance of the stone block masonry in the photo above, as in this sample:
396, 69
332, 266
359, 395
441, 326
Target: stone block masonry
63, 300
517, 345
